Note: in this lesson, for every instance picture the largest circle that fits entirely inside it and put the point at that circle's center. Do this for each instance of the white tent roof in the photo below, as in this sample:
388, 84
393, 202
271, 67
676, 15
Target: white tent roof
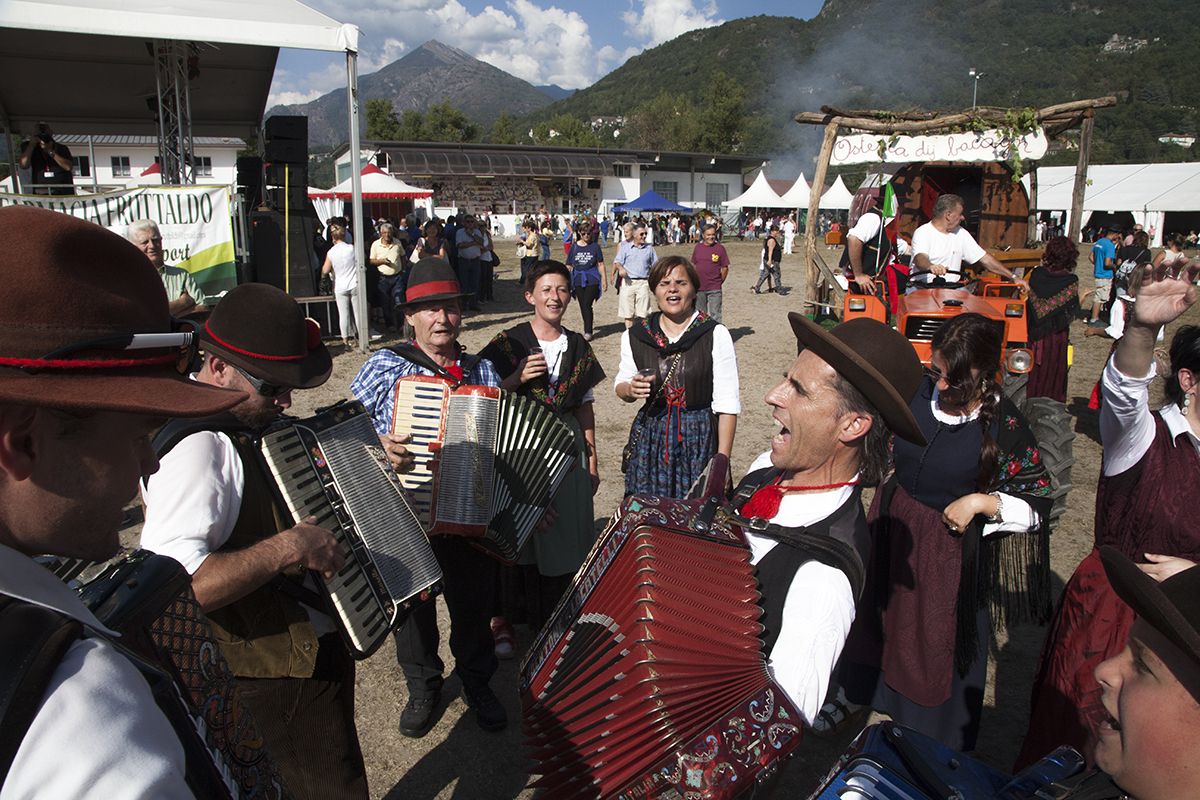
799, 195
837, 196
376, 185
97, 52
759, 195
1122, 187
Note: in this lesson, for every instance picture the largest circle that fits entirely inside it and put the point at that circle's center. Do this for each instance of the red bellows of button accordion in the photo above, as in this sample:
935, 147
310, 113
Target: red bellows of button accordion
650, 677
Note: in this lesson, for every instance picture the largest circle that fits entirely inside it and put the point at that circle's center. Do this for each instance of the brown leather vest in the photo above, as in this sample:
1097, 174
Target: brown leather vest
266, 634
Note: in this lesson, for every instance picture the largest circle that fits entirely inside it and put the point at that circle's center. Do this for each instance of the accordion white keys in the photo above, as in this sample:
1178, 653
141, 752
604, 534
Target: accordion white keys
500, 459
332, 466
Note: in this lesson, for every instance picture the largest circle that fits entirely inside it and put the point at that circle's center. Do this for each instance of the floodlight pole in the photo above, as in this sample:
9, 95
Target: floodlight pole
976, 74
360, 233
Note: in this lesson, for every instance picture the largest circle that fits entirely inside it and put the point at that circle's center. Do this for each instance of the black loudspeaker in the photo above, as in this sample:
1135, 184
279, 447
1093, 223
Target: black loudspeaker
295, 199
287, 127
297, 174
249, 179
286, 140
267, 251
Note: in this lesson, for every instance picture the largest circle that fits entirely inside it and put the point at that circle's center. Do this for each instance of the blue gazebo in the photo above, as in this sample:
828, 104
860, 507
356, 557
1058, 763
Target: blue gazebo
651, 201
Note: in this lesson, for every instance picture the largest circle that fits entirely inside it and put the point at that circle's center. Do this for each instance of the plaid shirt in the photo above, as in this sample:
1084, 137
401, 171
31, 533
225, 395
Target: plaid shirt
375, 381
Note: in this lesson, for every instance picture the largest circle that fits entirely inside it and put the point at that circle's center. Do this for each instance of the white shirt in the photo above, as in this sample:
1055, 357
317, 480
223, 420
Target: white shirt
949, 249
98, 732
193, 503
867, 228
345, 270
726, 396
467, 246
554, 352
818, 609
1126, 424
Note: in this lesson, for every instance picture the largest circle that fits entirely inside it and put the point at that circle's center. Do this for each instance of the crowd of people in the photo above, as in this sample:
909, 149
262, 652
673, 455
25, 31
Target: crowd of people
891, 607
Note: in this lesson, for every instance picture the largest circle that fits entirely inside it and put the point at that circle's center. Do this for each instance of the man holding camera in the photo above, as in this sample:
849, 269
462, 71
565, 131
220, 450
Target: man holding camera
49, 163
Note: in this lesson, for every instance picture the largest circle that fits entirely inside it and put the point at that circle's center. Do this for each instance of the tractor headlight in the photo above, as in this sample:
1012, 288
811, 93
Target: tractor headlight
1014, 309
857, 304
1020, 361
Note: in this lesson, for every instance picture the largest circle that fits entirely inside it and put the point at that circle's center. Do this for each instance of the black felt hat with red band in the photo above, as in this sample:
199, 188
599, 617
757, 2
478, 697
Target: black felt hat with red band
261, 329
432, 279
73, 298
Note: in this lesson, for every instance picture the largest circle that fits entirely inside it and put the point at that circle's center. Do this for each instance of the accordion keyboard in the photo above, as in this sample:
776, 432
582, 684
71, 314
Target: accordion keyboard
336, 471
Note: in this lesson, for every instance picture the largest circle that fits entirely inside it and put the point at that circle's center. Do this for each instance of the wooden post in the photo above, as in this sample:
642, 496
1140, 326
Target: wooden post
811, 275
1031, 233
1081, 170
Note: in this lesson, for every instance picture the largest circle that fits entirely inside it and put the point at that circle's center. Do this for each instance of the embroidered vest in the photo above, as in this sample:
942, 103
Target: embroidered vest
694, 373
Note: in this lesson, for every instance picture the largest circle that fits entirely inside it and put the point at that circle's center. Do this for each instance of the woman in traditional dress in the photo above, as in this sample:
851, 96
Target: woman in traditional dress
543, 360
680, 363
1146, 506
1053, 305
957, 532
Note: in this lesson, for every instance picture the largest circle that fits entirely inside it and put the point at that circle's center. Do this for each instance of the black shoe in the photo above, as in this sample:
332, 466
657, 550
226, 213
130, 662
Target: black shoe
489, 713
417, 717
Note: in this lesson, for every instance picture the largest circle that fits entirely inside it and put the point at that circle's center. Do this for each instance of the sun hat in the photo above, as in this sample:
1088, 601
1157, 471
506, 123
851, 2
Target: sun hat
875, 359
84, 323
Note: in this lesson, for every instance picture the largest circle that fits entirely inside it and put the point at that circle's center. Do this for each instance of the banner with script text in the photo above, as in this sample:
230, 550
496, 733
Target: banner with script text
194, 221
992, 145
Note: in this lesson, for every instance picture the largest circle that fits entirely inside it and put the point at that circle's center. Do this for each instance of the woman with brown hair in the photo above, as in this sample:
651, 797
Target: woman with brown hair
1053, 304
957, 532
680, 363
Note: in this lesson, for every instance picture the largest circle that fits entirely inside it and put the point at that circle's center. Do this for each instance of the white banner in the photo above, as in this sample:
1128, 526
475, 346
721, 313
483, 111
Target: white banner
194, 221
992, 145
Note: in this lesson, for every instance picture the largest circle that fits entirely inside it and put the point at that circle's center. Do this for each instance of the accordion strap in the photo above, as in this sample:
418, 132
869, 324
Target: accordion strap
34, 639
410, 352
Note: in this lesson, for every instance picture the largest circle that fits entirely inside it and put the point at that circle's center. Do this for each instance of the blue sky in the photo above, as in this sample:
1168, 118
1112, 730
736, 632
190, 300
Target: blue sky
568, 42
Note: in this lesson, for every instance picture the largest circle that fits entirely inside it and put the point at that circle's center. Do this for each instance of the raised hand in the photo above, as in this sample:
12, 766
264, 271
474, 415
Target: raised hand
1164, 293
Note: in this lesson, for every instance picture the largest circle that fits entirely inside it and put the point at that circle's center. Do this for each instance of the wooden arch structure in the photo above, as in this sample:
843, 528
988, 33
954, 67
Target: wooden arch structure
1054, 120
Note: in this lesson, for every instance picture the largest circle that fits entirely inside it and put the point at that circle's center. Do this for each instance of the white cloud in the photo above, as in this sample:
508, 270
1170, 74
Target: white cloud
659, 21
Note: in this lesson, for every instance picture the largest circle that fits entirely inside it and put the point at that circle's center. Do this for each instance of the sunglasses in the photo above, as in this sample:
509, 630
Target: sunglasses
182, 344
935, 373
268, 390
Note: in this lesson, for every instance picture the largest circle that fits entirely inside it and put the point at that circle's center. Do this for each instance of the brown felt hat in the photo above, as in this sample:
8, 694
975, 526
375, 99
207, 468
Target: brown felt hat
876, 360
76, 304
432, 279
261, 329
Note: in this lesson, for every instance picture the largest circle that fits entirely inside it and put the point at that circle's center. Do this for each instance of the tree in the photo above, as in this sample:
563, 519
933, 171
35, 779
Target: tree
382, 123
565, 130
412, 127
445, 123
721, 120
504, 130
662, 123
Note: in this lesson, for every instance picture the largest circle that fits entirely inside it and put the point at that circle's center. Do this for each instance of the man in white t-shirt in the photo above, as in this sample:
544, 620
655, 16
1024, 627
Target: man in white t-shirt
789, 234
942, 246
839, 402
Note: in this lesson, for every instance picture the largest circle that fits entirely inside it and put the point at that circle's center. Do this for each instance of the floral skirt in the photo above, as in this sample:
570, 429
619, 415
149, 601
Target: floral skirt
671, 451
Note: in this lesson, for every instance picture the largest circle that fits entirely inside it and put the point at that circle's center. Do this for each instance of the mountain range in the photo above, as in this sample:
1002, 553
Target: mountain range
431, 73
856, 54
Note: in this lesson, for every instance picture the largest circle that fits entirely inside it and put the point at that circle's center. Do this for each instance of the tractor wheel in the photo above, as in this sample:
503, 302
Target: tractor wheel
1014, 385
1052, 427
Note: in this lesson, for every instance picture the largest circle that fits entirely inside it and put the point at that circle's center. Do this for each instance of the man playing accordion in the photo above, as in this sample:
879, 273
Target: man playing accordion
89, 367
432, 308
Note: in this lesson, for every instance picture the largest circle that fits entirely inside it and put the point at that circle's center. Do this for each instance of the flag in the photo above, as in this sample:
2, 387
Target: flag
889, 201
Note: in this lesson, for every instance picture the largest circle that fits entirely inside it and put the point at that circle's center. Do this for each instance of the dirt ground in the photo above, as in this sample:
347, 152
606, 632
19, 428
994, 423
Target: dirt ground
458, 760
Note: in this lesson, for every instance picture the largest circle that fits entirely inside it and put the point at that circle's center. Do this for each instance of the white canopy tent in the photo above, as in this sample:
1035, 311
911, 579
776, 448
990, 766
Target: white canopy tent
837, 197
798, 195
1147, 191
89, 66
377, 185
759, 195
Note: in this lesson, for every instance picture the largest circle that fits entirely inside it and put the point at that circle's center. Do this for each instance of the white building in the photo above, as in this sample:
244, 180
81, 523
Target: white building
115, 161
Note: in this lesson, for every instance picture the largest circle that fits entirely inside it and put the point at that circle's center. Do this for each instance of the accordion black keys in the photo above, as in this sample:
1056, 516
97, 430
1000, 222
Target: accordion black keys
332, 466
501, 458
649, 680
148, 599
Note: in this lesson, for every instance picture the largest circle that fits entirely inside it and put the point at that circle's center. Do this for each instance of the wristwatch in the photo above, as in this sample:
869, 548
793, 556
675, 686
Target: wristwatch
999, 507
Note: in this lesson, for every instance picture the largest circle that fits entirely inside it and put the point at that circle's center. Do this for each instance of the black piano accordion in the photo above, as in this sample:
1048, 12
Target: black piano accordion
649, 680
500, 460
332, 466
148, 599
890, 762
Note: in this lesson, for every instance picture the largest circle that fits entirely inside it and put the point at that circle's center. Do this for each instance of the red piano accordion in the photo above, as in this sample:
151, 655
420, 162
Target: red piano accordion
650, 679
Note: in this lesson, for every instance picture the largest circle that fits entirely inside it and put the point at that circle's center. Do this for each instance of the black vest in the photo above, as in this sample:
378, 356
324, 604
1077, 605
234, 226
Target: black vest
841, 540
694, 372
875, 253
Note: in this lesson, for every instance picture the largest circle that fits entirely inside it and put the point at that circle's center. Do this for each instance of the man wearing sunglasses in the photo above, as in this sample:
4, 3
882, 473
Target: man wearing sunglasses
210, 507
632, 265
89, 368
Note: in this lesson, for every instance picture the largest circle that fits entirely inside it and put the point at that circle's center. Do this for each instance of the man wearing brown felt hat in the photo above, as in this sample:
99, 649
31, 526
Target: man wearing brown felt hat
845, 394
211, 507
90, 365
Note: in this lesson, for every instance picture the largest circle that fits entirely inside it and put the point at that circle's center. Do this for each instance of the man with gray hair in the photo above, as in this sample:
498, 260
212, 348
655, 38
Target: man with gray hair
183, 293
941, 246
632, 264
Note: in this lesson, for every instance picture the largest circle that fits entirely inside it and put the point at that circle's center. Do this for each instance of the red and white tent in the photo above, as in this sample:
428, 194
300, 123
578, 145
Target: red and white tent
376, 185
